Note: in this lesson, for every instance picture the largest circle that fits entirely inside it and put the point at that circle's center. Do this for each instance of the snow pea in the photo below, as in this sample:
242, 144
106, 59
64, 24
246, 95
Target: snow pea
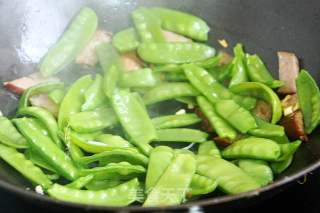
139, 78
37, 89
113, 140
80, 182
94, 96
56, 95
148, 25
70, 44
231, 179
46, 118
155, 167
91, 121
46, 147
201, 185
167, 91
309, 100
235, 115
239, 69
175, 76
255, 148
171, 187
258, 170
73, 100
10, 136
34, 157
24, 166
181, 135
263, 92
174, 53
126, 40
97, 185
134, 118
288, 149
121, 195
266, 130
279, 167
174, 121
189, 101
209, 148
183, 23
221, 127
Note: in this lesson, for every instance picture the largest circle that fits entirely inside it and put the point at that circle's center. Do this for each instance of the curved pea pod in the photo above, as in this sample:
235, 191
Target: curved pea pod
309, 100
124, 170
201, 185
253, 148
167, 91
113, 140
97, 185
267, 130
221, 127
181, 135
183, 23
138, 78
235, 115
126, 40
116, 155
24, 166
57, 95
231, 179
80, 182
209, 148
174, 53
37, 89
263, 92
46, 148
91, 121
121, 195
94, 95
157, 167
148, 25
74, 39
72, 102
10, 136
239, 69
174, 121
288, 150
46, 119
171, 188
36, 159
279, 167
175, 76
258, 170
134, 118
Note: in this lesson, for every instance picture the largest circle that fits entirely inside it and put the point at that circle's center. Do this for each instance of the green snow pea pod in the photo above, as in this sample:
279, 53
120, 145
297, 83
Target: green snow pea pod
91, 121
183, 23
239, 69
47, 148
24, 166
255, 148
80, 182
279, 167
124, 170
174, 182
167, 91
126, 40
231, 179
73, 100
171, 68
263, 92
134, 118
288, 149
201, 185
73, 40
57, 95
258, 72
121, 195
148, 25
266, 130
221, 127
174, 53
97, 185
175, 76
238, 117
94, 96
222, 72
258, 170
157, 167
37, 89
174, 121
113, 140
10, 136
34, 157
189, 101
46, 118
209, 148
309, 100
138, 78
181, 135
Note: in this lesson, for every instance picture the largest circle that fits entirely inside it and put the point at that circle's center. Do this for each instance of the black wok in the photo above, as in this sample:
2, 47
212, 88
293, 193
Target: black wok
29, 27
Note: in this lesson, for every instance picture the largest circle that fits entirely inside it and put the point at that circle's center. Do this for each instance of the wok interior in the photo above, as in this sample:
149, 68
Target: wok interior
29, 28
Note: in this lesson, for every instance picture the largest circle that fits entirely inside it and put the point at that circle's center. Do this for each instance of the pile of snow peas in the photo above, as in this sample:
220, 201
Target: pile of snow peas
106, 145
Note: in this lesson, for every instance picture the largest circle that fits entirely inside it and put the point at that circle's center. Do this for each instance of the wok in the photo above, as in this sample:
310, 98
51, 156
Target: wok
28, 28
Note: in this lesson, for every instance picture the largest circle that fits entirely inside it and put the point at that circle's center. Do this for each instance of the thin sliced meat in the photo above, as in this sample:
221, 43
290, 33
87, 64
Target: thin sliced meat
288, 72
263, 110
43, 100
222, 142
294, 127
131, 61
88, 55
174, 37
290, 104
